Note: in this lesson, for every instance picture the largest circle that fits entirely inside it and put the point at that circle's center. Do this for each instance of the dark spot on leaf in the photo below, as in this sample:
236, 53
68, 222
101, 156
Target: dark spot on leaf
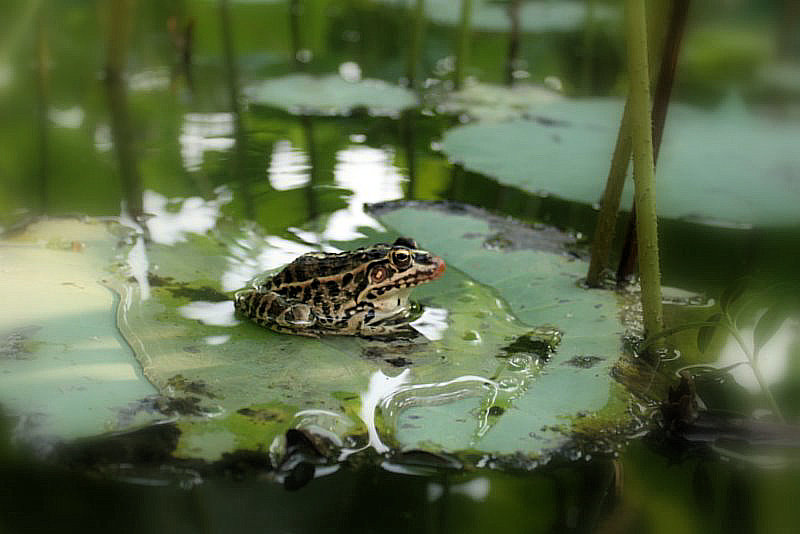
208, 294
196, 387
159, 281
584, 362
398, 361
495, 411
262, 415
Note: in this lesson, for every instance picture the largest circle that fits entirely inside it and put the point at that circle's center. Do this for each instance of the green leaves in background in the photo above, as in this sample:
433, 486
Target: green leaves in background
703, 172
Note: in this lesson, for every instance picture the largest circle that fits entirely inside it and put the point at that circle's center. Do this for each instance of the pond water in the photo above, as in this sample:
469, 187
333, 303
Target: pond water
210, 141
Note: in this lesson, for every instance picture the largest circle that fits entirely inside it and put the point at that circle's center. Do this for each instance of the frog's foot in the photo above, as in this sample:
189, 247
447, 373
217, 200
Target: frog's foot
400, 330
296, 317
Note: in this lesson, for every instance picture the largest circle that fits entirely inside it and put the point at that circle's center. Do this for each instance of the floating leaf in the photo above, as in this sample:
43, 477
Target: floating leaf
303, 94
496, 103
537, 16
65, 372
769, 323
703, 174
517, 362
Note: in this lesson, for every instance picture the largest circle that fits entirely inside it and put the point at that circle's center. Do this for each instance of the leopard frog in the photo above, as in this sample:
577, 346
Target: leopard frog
360, 292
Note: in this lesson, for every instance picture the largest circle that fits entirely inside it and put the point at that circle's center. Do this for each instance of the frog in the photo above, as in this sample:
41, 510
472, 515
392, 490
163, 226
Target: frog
363, 292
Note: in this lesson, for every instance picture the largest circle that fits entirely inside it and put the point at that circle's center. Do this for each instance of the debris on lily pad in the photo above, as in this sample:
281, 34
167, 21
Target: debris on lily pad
303, 94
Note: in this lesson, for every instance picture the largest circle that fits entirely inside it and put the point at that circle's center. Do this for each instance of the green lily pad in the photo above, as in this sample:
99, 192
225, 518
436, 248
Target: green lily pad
514, 363
727, 166
535, 16
65, 371
302, 94
488, 102
575, 391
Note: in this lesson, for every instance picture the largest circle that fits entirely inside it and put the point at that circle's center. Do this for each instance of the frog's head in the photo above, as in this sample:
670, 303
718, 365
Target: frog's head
401, 267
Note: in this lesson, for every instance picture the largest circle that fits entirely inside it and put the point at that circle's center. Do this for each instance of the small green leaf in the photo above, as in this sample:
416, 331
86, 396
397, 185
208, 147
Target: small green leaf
768, 324
705, 333
732, 294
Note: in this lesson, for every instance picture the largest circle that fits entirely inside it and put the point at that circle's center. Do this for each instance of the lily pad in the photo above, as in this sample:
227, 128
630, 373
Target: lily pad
513, 364
535, 16
727, 166
574, 393
496, 103
302, 94
65, 371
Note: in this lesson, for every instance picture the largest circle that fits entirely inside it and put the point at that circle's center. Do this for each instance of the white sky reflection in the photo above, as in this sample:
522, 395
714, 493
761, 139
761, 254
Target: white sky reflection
203, 132
171, 220
288, 167
367, 172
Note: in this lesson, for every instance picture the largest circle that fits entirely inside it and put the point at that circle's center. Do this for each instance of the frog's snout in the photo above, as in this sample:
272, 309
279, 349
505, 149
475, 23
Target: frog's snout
440, 267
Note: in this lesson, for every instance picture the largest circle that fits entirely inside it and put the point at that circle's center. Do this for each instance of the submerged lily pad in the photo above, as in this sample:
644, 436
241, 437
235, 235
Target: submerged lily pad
303, 94
535, 16
726, 166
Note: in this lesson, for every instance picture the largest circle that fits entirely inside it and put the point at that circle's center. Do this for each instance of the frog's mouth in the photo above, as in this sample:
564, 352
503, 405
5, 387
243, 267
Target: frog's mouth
440, 267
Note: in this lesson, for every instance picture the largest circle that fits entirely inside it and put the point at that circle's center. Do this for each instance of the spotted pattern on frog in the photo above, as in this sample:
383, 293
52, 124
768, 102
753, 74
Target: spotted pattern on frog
360, 292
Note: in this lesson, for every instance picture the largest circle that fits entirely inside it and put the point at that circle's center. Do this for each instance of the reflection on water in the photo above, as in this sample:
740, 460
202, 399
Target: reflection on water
369, 174
210, 313
169, 222
288, 168
204, 132
67, 118
381, 387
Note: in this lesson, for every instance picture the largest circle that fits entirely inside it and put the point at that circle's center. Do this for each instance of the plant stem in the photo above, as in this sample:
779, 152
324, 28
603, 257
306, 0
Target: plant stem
514, 38
119, 29
643, 168
415, 48
462, 56
674, 330
762, 383
607, 218
670, 47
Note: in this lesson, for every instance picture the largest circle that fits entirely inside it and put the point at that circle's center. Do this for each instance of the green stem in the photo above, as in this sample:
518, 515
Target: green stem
463, 43
415, 50
674, 330
643, 169
607, 218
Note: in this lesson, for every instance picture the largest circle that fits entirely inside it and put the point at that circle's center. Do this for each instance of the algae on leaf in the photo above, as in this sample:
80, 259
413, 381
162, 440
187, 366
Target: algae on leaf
728, 166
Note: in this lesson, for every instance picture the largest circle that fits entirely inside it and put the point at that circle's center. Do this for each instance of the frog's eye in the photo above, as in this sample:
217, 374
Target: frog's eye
401, 257
378, 274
